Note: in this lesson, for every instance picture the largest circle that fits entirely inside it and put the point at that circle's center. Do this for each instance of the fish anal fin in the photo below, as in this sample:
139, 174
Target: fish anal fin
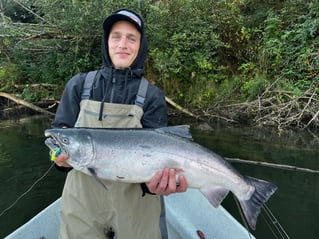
215, 195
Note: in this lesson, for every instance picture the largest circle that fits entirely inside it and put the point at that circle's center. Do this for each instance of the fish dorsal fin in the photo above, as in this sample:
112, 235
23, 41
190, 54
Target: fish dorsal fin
178, 130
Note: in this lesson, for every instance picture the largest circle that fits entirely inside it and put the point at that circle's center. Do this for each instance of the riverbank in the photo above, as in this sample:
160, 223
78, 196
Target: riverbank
254, 114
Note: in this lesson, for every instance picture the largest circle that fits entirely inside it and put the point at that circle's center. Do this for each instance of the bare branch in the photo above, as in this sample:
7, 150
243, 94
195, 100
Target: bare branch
32, 12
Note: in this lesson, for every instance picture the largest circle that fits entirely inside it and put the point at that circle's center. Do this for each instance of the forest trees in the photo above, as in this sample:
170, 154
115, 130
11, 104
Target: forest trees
242, 60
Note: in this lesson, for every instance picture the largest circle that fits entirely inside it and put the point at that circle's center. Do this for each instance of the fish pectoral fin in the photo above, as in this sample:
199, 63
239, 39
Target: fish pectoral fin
93, 173
215, 195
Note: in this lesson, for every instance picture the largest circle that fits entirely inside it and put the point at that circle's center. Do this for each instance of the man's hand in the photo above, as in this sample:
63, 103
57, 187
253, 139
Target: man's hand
61, 161
164, 183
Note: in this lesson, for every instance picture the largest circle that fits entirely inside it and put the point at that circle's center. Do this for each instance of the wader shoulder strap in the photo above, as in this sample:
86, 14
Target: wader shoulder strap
89, 79
141, 94
88, 82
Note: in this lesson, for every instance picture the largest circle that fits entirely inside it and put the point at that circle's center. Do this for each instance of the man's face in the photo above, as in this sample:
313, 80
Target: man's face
124, 44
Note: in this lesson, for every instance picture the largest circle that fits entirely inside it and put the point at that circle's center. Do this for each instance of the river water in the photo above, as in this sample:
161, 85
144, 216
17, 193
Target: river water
24, 159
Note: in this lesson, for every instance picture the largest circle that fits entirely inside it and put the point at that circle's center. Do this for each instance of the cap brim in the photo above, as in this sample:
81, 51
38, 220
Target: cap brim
109, 22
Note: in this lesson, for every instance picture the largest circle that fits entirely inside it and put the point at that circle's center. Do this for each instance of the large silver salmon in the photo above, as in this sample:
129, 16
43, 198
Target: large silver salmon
135, 155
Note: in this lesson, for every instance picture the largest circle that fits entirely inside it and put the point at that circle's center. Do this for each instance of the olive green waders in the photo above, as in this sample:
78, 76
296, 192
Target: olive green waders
90, 211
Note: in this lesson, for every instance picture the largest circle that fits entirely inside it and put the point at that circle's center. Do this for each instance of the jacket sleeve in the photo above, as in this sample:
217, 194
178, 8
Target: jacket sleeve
155, 109
69, 107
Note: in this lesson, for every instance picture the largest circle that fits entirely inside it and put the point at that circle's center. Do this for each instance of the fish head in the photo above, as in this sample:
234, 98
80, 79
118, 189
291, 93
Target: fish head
77, 143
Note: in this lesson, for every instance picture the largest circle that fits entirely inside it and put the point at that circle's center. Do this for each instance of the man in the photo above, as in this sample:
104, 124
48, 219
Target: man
124, 210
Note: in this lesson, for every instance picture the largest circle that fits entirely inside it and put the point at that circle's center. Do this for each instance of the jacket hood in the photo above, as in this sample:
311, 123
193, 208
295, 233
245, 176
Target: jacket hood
136, 20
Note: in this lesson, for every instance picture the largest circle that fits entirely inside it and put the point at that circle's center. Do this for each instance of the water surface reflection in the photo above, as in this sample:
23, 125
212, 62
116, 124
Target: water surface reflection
296, 203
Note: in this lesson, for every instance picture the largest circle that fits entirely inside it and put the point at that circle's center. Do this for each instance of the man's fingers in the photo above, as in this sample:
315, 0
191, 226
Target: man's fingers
152, 185
164, 183
171, 187
182, 185
61, 160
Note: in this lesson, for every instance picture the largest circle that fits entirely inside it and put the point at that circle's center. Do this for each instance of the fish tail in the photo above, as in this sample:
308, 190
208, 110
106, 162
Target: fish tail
251, 208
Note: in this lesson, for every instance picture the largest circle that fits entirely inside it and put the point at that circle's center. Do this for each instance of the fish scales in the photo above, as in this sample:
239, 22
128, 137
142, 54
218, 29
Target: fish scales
146, 150
135, 155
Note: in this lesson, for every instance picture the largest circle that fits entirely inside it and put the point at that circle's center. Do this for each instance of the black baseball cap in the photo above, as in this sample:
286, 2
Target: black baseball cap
123, 15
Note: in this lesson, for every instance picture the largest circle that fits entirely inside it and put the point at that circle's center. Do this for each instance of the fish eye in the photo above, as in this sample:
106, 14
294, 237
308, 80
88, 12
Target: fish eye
65, 140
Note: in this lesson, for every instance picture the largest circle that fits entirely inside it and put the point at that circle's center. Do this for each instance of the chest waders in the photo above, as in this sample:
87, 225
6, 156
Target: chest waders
90, 211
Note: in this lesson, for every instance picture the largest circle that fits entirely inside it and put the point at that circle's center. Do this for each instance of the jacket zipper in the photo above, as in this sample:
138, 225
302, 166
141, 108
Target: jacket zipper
112, 89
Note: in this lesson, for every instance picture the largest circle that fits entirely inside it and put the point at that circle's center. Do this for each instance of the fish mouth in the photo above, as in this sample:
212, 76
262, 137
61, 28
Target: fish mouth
53, 143
51, 140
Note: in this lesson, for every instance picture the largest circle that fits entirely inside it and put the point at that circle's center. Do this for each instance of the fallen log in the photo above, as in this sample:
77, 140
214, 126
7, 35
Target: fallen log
43, 111
180, 108
25, 103
272, 165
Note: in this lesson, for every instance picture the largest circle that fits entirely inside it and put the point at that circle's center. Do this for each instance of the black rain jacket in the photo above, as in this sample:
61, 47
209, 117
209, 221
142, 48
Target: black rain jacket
113, 86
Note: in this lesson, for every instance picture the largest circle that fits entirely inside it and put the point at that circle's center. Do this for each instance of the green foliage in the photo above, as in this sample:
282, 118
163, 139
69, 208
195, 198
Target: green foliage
16, 12
8, 74
184, 52
290, 45
253, 81
200, 52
